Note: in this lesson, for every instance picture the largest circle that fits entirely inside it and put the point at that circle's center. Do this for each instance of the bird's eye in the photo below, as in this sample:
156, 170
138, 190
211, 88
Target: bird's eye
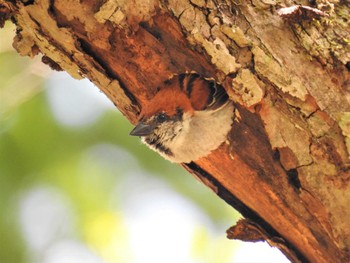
161, 118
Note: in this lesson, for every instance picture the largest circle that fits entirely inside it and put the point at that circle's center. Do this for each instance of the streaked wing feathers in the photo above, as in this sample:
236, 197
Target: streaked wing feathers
204, 94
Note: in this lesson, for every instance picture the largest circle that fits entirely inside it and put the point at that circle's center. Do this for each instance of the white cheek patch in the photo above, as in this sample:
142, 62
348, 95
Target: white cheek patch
201, 134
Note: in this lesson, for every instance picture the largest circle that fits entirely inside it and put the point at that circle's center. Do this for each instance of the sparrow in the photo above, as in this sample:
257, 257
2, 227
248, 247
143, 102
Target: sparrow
188, 118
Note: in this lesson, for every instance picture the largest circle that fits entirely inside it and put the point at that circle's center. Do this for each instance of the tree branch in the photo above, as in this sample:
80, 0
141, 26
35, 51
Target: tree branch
285, 166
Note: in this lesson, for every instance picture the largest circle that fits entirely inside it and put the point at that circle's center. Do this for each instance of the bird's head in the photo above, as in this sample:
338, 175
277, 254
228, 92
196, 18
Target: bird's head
165, 121
165, 116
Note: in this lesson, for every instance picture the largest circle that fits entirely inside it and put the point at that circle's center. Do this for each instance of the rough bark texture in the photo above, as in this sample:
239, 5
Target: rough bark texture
285, 166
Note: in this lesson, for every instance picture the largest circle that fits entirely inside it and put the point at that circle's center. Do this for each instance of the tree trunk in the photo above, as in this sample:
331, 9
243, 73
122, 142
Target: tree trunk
285, 165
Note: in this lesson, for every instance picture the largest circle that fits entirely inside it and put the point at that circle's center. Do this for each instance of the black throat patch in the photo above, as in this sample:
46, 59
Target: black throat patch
154, 141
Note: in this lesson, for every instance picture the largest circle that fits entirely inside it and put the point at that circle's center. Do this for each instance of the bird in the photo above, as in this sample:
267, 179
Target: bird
188, 118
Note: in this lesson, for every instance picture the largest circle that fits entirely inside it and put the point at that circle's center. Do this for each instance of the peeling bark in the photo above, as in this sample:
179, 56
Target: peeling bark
285, 166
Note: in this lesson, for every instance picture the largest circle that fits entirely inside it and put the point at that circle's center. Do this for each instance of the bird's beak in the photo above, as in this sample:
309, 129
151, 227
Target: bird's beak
142, 129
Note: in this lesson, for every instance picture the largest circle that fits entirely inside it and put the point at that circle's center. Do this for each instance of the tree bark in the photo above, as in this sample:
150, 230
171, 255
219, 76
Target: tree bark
285, 165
